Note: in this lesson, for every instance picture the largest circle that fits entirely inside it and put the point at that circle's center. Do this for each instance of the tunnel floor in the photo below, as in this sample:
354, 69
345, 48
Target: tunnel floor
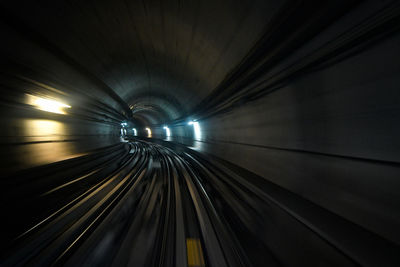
137, 203
141, 203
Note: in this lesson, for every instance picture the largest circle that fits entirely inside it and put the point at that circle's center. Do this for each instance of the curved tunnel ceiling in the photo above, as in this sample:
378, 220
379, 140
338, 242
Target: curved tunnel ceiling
143, 49
323, 148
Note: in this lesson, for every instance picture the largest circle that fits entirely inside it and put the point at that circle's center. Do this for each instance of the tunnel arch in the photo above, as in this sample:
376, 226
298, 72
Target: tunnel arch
192, 61
297, 101
163, 102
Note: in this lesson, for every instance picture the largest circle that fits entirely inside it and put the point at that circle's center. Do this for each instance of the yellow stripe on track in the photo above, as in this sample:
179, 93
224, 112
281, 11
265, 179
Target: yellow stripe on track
194, 252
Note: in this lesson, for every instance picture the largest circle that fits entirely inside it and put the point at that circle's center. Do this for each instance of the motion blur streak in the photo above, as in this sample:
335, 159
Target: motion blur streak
47, 104
41, 130
220, 133
112, 214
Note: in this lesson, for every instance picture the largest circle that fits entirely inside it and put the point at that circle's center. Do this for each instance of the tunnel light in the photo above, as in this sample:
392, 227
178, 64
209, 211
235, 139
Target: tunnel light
134, 132
148, 132
196, 127
123, 124
167, 131
48, 105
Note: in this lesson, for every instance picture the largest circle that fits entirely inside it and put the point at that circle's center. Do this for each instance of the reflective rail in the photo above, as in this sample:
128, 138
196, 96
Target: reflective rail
160, 204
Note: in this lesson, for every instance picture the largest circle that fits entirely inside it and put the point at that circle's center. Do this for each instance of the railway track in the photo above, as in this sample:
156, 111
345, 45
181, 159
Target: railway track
138, 204
142, 203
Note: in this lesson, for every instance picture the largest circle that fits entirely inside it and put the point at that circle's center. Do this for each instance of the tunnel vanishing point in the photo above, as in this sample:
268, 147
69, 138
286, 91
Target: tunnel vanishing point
188, 133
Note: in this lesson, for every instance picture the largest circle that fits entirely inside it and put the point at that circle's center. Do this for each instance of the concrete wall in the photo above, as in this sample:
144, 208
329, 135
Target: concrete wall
331, 136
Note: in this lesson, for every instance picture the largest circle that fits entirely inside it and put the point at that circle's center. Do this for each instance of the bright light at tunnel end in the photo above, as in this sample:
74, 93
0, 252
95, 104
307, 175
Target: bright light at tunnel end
148, 132
134, 131
167, 131
196, 128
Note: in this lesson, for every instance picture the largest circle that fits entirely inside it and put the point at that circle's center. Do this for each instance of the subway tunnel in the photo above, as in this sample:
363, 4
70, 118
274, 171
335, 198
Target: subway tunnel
200, 133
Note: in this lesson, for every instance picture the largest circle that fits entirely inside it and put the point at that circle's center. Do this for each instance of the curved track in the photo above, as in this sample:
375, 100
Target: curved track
145, 204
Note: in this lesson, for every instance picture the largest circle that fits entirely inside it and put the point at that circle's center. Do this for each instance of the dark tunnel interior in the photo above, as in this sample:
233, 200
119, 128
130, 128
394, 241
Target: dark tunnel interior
196, 133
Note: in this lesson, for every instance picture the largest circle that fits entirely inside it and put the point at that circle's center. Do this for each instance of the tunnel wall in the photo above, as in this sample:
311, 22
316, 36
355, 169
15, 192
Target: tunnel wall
30, 137
33, 138
330, 136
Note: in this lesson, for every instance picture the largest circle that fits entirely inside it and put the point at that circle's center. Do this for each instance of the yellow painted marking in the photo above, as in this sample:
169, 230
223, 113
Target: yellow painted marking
194, 252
